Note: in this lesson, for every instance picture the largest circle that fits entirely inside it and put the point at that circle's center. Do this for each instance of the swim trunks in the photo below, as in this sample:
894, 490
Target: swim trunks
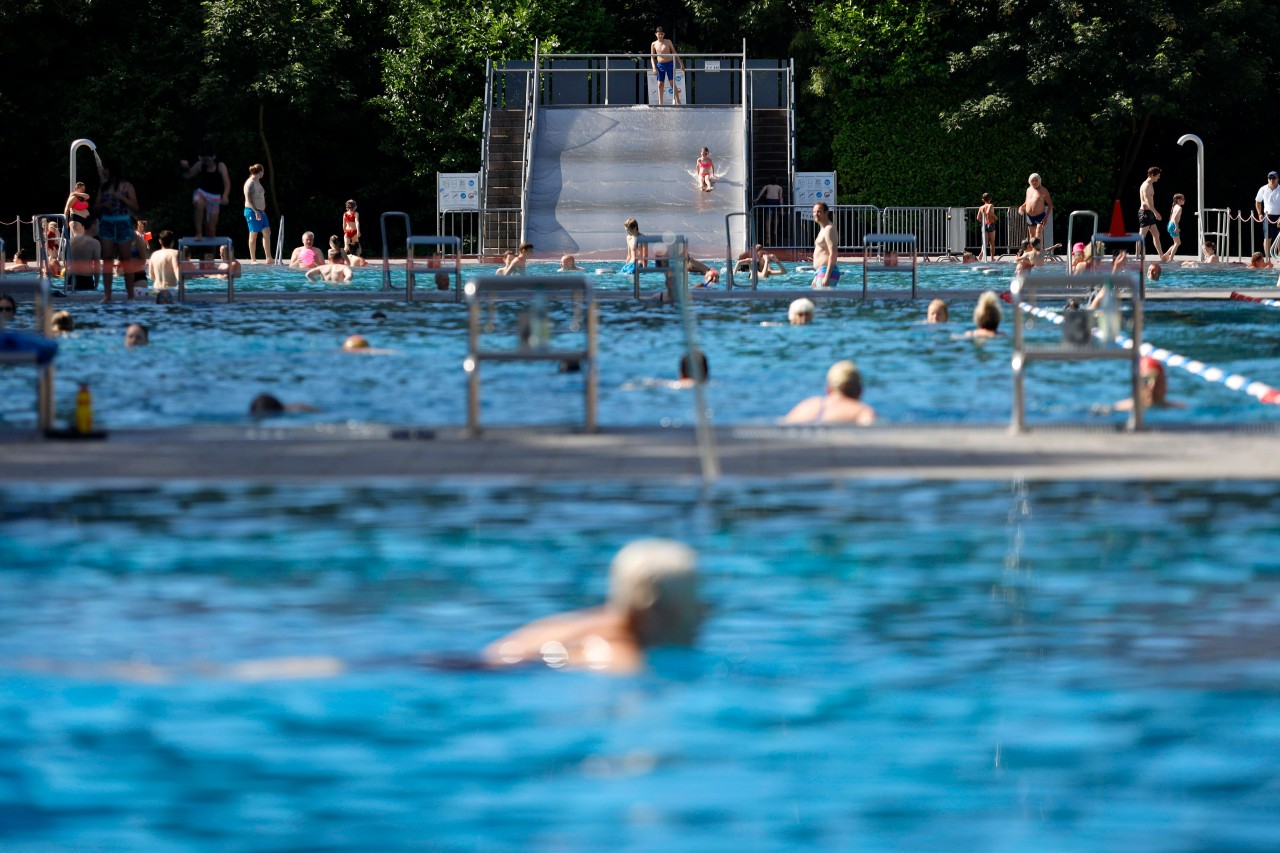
1038, 218
990, 228
628, 268
1146, 218
83, 282
1172, 228
212, 201
256, 219
664, 70
818, 272
115, 229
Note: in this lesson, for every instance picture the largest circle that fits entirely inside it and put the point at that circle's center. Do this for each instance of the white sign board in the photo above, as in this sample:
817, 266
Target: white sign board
667, 96
711, 65
457, 191
813, 187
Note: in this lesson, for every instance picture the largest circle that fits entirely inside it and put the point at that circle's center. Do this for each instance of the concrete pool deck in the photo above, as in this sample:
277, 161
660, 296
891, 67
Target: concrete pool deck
376, 452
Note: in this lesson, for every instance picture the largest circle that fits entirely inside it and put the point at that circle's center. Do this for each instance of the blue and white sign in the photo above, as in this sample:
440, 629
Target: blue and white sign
813, 187
457, 191
674, 93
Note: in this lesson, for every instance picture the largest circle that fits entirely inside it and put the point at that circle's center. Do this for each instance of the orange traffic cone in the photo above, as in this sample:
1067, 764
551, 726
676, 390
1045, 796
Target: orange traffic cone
1117, 221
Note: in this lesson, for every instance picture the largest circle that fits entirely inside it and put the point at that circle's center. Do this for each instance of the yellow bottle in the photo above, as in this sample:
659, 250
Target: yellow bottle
84, 410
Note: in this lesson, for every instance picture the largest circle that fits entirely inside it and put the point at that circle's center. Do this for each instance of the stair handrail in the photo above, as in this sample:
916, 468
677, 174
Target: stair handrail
533, 89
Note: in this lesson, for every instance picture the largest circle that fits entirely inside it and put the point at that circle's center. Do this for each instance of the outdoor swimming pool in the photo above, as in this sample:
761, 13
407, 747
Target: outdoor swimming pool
605, 276
206, 362
886, 666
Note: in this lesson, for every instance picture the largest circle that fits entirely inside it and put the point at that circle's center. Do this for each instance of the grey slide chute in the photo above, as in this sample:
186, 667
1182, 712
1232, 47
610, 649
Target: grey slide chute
595, 167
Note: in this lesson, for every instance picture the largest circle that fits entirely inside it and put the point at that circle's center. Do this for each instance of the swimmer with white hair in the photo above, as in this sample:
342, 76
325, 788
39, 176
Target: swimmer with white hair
937, 312
801, 312
569, 264
652, 602
841, 404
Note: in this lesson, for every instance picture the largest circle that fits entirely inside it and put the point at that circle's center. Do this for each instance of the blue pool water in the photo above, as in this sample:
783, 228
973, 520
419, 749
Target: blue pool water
208, 360
604, 276
886, 666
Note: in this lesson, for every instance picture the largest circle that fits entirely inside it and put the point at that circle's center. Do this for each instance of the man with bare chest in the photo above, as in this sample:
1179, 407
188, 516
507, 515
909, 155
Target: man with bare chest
663, 59
1037, 207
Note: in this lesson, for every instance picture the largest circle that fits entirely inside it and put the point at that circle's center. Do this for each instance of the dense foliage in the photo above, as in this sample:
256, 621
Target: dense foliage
912, 101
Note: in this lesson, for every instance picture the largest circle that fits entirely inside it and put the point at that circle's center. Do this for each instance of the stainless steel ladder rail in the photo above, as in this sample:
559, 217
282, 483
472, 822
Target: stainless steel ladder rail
1071, 225
574, 287
386, 246
708, 457
410, 273
1027, 289
196, 269
730, 261
886, 239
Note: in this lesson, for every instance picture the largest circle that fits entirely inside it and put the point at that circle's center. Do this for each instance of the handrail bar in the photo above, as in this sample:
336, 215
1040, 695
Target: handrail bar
882, 239
386, 246
410, 275
1071, 224
196, 269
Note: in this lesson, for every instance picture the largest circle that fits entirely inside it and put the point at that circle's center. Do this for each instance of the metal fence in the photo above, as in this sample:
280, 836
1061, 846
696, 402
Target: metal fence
938, 230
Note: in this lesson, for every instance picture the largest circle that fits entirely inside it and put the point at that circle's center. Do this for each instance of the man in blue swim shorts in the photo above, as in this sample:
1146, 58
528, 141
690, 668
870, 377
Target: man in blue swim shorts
663, 59
1037, 206
826, 270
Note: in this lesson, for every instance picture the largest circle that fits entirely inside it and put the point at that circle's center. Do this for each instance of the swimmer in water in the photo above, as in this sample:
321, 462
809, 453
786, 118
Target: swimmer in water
842, 404
801, 312
652, 602
1154, 389
937, 312
986, 316
569, 264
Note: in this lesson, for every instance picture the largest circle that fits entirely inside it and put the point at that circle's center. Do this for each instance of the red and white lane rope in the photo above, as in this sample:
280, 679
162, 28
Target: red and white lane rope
1260, 391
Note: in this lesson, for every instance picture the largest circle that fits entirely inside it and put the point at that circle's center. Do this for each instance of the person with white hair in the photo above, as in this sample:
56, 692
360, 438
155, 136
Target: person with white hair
841, 404
652, 602
801, 311
1037, 206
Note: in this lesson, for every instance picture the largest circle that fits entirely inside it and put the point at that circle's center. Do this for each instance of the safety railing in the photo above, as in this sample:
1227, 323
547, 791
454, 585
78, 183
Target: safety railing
535, 338
890, 246
1216, 227
463, 224
530, 135
436, 263
222, 265
392, 216
501, 228
1086, 334
595, 79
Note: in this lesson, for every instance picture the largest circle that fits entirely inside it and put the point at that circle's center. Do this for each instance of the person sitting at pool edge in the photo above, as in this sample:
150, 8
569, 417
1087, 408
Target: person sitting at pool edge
307, 255
986, 316
801, 311
841, 404
1154, 389
652, 602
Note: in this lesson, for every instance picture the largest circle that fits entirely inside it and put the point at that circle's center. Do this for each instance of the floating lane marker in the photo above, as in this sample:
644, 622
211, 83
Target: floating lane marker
1270, 303
1260, 391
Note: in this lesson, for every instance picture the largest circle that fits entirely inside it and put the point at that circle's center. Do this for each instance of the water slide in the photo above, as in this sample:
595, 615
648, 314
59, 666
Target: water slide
595, 167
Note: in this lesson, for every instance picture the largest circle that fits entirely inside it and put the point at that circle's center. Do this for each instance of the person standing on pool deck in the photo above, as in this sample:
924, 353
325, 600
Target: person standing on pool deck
826, 261
1148, 216
663, 59
255, 214
652, 602
1037, 206
1267, 202
116, 205
1174, 226
987, 216
213, 189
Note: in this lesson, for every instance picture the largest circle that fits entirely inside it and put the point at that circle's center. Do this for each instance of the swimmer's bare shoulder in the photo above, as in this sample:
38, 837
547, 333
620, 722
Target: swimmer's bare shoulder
584, 639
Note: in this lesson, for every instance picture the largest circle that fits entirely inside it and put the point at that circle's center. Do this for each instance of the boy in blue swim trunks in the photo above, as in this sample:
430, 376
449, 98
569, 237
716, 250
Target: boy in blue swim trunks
663, 59
1175, 226
826, 270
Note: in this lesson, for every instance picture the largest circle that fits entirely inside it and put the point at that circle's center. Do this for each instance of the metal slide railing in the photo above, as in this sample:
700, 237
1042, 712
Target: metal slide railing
222, 266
